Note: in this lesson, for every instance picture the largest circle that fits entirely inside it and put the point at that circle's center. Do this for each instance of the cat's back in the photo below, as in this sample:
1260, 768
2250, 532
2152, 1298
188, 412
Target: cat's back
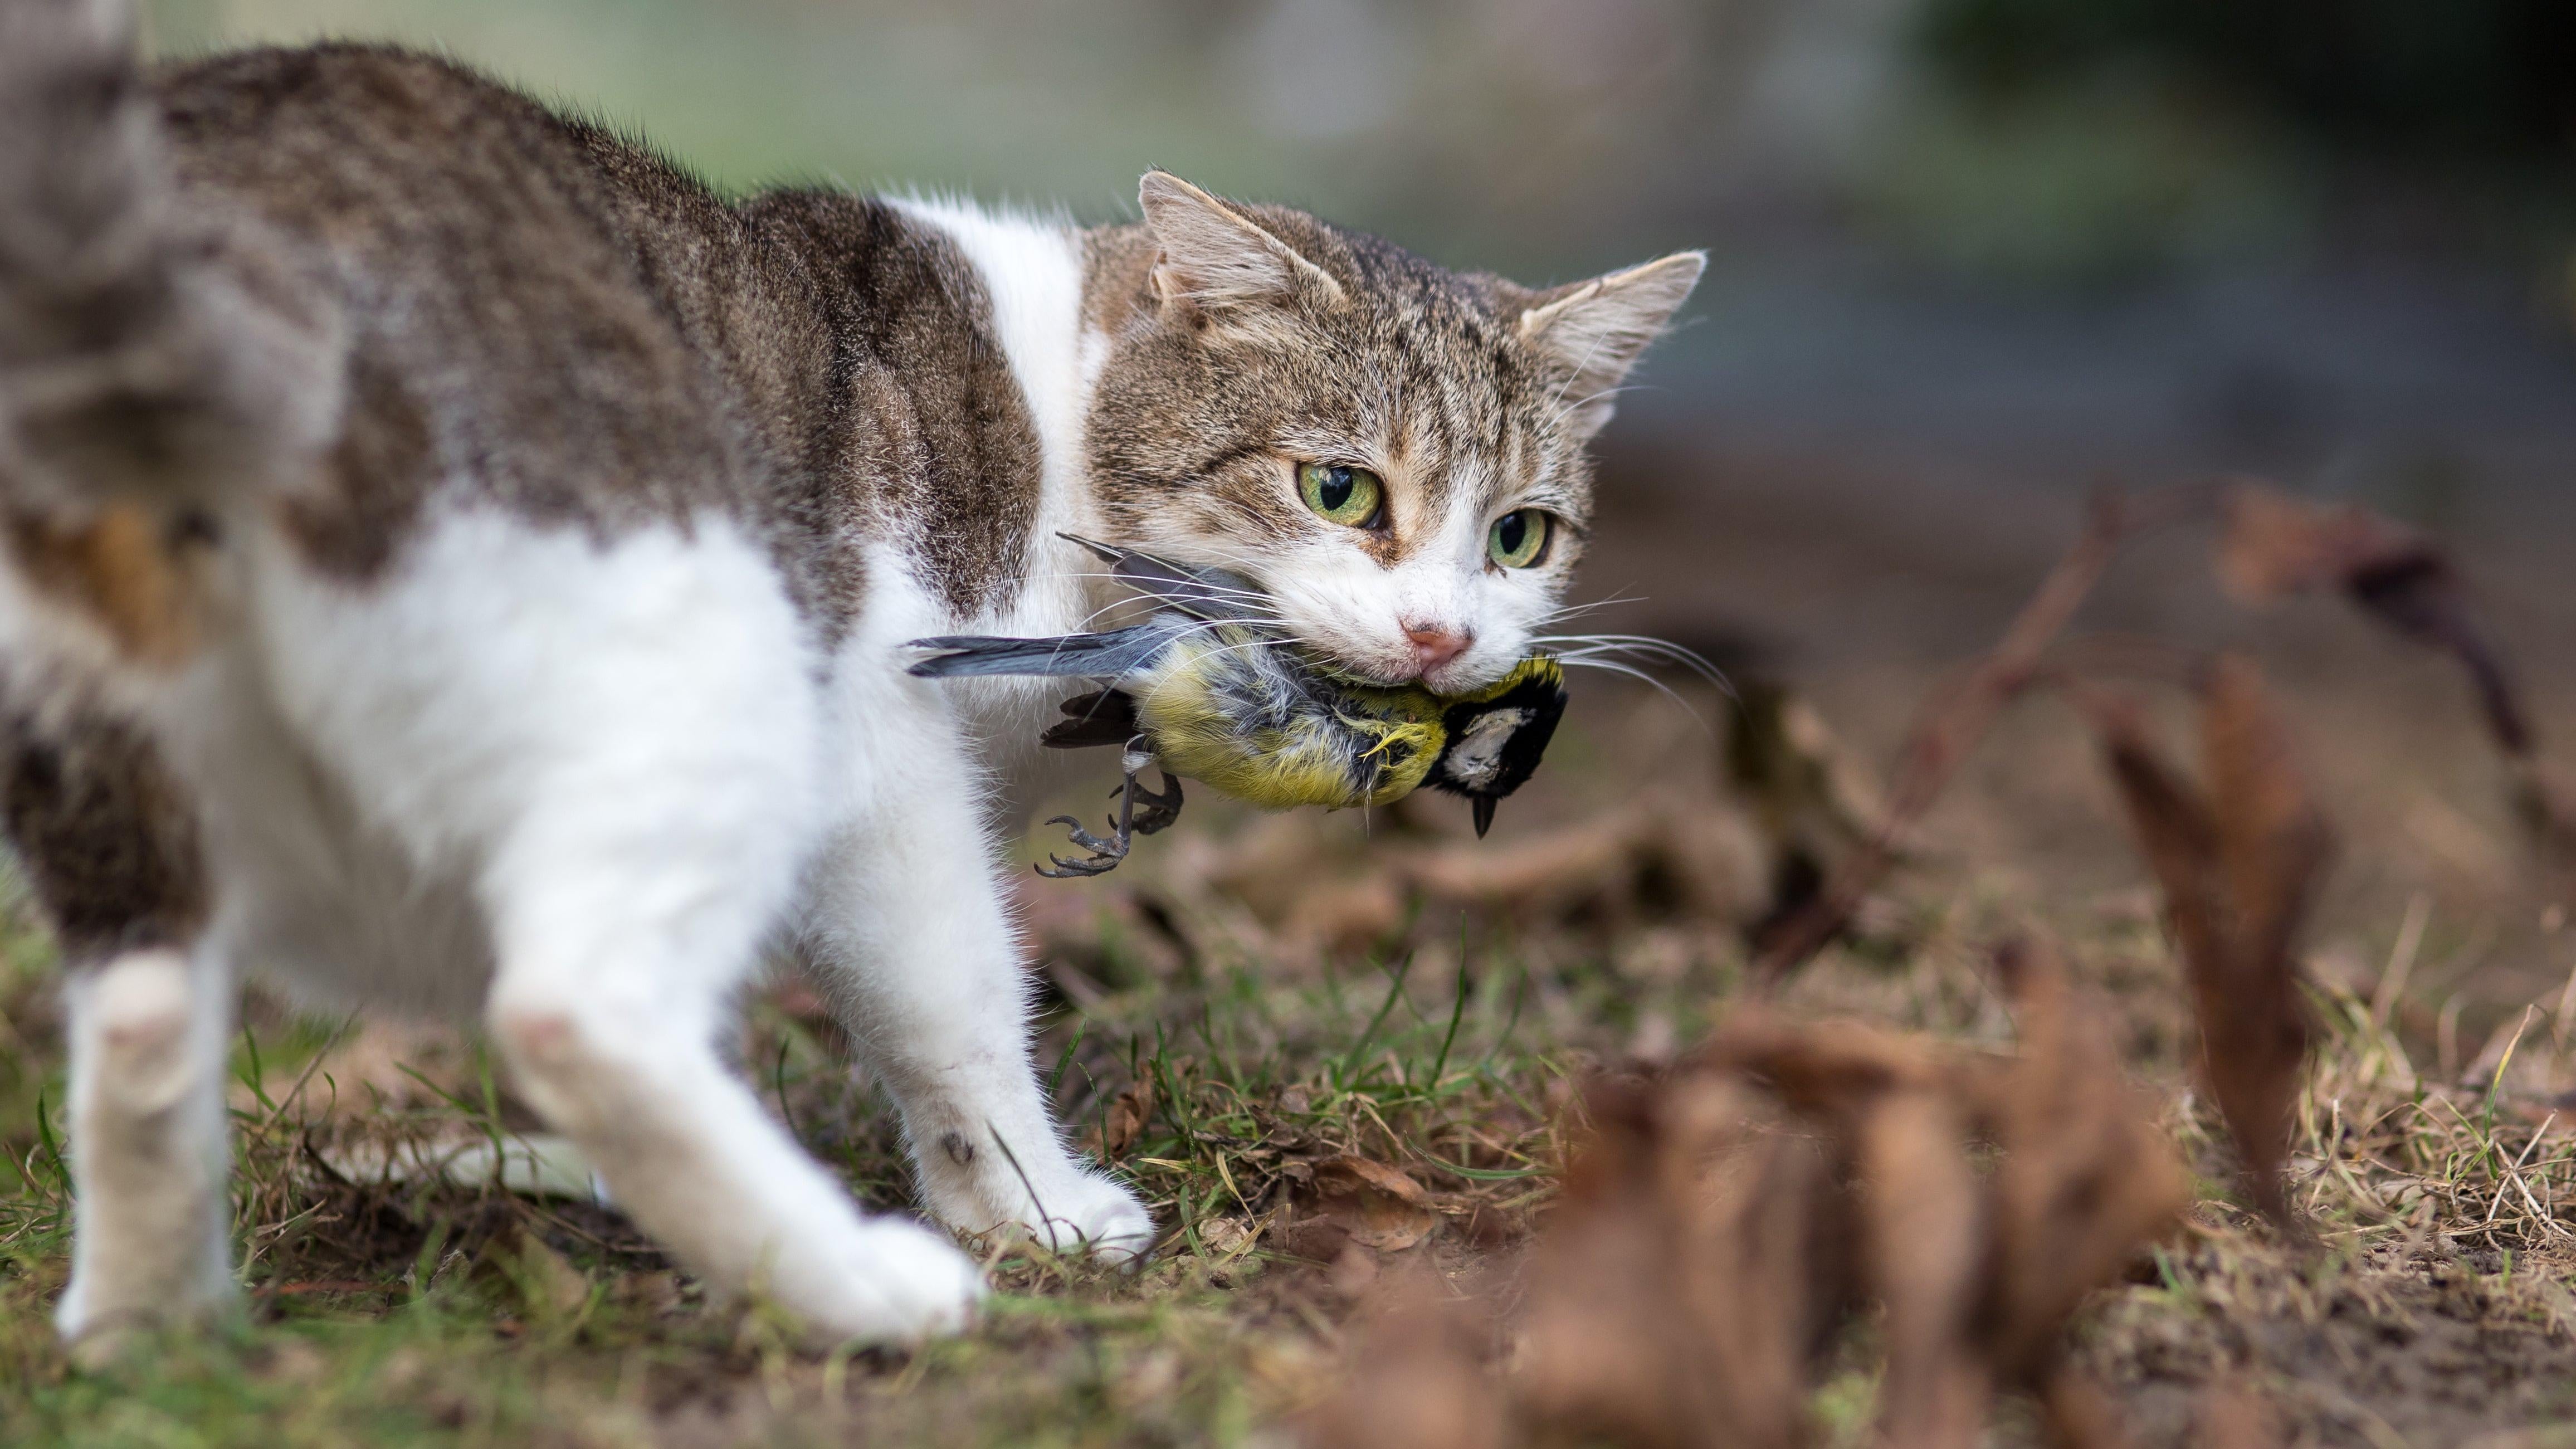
488, 258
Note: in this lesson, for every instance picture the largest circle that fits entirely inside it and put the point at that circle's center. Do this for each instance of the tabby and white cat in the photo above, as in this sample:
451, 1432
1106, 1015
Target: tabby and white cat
457, 563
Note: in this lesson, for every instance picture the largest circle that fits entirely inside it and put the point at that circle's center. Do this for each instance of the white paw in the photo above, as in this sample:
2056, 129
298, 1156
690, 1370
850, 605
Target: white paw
894, 1282
1089, 1212
98, 1321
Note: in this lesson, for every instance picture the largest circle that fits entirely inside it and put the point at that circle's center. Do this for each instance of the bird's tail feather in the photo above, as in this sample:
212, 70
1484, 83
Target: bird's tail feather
145, 355
1078, 656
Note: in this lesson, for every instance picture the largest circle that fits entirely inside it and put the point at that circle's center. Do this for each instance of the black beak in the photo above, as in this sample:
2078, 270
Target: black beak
1484, 805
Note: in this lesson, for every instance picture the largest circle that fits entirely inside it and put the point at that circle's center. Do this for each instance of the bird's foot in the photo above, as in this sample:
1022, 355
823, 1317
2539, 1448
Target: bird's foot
1105, 853
1161, 808
1156, 810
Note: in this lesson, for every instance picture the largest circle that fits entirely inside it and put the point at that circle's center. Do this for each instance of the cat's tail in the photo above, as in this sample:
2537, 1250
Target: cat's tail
149, 355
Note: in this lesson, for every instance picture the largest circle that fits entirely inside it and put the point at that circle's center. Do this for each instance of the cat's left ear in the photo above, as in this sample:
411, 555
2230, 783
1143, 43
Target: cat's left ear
1219, 260
1595, 331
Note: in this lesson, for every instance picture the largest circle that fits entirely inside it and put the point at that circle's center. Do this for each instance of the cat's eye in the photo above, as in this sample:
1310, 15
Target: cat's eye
1518, 539
1351, 497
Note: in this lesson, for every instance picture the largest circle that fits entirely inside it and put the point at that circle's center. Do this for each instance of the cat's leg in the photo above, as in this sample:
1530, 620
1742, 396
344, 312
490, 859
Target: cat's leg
625, 736
149, 1212
908, 929
625, 908
106, 838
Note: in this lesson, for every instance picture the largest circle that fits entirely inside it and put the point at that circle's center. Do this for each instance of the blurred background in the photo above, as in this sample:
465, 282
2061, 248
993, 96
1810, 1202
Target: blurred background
1971, 258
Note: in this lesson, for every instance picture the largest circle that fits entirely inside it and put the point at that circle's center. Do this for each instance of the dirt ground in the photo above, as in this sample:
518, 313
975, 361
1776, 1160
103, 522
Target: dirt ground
1345, 1056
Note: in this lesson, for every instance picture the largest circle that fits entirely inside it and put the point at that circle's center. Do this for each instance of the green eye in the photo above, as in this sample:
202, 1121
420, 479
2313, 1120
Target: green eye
1350, 497
1519, 538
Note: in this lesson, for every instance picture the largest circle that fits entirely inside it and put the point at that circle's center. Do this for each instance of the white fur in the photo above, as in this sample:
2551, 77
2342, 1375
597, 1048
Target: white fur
150, 1216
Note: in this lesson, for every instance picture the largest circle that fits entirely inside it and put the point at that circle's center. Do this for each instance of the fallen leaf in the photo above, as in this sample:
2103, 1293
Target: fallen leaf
2274, 544
2086, 1179
2237, 863
1416, 1379
1721, 1222
1689, 1274
1125, 1120
1351, 1199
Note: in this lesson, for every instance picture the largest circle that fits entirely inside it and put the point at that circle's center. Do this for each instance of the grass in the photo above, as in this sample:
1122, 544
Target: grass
2434, 1304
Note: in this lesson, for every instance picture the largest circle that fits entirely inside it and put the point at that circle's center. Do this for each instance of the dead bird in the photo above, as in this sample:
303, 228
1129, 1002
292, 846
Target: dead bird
1205, 687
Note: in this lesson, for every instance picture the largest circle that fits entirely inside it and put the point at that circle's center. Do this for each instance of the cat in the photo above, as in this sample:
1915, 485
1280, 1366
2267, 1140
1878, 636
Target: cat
455, 563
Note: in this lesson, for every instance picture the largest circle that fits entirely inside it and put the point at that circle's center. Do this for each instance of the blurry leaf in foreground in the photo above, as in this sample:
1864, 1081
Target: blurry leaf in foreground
2086, 1178
1421, 1381
1689, 1274
2237, 866
1721, 1224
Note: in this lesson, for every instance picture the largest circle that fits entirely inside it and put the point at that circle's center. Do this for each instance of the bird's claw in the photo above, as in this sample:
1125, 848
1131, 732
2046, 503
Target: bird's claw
1156, 810
1104, 857
1161, 808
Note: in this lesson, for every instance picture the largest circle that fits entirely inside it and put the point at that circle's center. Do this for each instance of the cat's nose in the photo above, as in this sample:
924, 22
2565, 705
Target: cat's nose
1435, 644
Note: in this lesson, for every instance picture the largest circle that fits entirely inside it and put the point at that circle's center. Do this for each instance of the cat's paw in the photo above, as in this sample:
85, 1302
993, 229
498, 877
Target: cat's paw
98, 1328
1092, 1213
895, 1282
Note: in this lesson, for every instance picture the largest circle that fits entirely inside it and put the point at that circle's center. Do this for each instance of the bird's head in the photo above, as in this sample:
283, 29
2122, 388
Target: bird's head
1495, 736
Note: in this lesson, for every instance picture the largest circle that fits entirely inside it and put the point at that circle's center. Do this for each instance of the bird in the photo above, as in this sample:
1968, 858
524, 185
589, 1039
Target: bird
1208, 688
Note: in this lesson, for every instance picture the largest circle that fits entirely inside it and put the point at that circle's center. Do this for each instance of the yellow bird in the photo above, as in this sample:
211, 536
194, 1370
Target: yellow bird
1203, 689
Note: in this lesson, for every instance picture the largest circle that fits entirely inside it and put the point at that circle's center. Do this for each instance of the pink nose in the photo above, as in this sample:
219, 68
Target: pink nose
1434, 646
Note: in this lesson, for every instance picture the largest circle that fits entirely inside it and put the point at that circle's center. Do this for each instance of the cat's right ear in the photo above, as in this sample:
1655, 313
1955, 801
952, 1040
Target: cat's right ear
1217, 260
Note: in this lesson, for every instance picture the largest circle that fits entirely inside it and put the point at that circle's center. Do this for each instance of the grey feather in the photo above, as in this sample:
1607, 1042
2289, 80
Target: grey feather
1112, 655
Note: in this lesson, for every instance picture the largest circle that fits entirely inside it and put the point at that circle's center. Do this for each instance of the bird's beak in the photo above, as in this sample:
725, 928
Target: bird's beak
1484, 815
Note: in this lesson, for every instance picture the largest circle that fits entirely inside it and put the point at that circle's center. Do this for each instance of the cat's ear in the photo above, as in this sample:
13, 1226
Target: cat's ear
1593, 332
1217, 259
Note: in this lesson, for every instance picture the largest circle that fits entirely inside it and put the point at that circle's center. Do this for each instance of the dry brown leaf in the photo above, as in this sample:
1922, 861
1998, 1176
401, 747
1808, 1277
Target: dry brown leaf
1125, 1120
1416, 1379
1923, 1246
2274, 544
1720, 1223
2237, 864
1688, 1275
2272, 846
2086, 1178
1353, 1200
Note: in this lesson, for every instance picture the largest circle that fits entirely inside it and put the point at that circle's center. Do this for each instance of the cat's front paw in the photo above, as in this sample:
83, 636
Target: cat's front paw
1063, 1206
99, 1326
895, 1282
1097, 1215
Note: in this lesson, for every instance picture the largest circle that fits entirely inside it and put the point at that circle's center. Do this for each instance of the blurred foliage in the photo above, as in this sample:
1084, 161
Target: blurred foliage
2053, 140
2482, 77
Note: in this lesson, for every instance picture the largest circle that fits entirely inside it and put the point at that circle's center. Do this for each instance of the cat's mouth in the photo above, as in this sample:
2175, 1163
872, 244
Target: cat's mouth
1457, 676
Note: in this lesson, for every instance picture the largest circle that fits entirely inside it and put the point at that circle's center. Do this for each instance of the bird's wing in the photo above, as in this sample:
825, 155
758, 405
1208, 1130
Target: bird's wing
1209, 593
1107, 717
1112, 655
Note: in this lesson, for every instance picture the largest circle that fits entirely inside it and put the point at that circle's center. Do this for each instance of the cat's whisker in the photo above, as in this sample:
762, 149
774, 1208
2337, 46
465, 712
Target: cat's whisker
1567, 611
1613, 667
1639, 646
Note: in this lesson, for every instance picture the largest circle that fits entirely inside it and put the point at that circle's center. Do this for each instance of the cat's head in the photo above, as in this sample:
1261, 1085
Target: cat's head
1393, 451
